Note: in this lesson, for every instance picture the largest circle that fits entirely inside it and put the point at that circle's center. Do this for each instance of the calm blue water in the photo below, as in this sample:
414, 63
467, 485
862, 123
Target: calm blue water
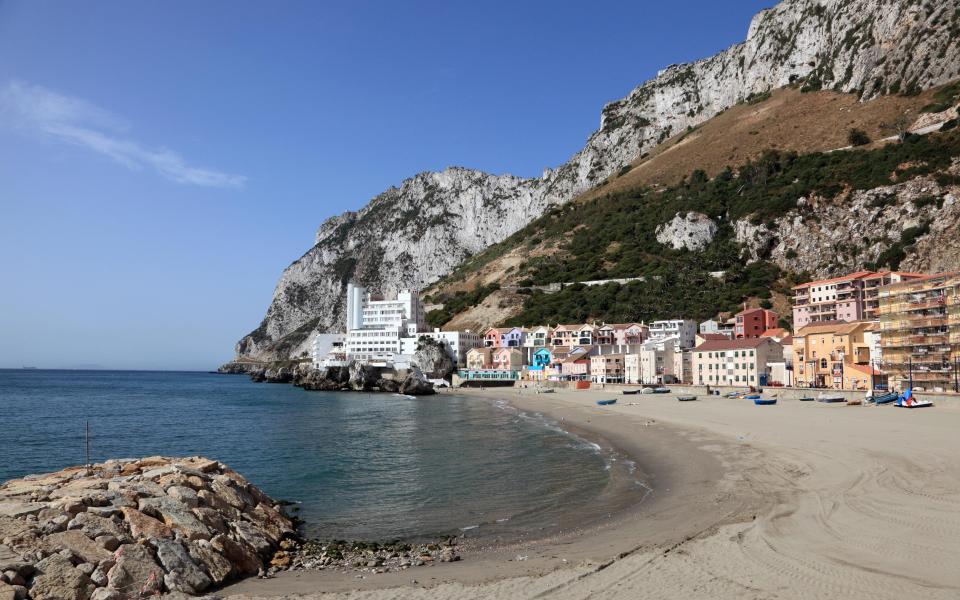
363, 466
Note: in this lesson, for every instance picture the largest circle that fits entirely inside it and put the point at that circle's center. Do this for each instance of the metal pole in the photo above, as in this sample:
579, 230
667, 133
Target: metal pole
88, 441
910, 367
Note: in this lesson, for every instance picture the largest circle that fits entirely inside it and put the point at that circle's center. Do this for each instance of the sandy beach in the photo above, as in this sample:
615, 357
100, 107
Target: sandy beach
796, 500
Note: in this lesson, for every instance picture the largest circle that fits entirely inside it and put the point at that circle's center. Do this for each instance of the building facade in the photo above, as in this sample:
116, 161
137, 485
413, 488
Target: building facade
376, 326
744, 362
457, 343
685, 330
832, 354
853, 297
920, 332
752, 322
607, 368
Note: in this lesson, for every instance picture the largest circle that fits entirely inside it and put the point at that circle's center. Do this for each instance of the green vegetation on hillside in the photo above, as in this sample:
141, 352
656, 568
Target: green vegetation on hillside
457, 303
614, 236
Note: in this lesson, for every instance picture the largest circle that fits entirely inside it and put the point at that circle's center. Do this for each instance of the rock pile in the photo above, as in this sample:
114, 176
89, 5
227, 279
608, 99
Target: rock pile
369, 557
133, 528
360, 377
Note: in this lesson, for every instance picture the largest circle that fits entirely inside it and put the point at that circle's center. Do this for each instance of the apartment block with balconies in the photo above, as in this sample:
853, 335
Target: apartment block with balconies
853, 297
920, 332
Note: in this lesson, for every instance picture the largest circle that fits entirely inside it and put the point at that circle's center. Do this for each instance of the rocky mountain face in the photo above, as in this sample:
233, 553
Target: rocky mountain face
412, 235
828, 236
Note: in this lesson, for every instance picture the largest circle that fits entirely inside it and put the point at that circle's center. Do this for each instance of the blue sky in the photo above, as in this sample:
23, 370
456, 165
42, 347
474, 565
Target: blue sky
161, 163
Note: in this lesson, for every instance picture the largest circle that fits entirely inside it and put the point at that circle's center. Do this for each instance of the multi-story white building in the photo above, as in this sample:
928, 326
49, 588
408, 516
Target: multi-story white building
376, 326
685, 330
743, 362
654, 362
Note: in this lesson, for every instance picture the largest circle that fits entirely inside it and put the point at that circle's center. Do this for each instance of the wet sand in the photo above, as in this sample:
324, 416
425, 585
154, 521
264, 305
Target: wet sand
797, 500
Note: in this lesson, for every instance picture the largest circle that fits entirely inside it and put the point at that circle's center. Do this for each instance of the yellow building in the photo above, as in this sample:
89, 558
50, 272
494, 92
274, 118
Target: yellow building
833, 354
920, 332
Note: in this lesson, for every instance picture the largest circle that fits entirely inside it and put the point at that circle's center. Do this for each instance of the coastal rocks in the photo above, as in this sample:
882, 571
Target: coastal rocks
57, 579
359, 377
366, 557
134, 528
693, 231
433, 359
416, 384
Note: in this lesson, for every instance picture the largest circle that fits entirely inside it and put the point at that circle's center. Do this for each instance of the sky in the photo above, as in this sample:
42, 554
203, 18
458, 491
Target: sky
161, 163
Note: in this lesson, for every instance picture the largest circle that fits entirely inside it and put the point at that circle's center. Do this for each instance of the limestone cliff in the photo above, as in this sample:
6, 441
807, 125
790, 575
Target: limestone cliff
411, 235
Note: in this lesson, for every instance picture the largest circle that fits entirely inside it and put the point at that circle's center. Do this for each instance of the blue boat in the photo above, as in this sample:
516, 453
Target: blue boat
764, 401
752, 396
907, 400
886, 398
607, 402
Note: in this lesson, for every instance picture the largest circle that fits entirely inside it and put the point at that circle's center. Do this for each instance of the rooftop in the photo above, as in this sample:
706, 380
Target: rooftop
733, 344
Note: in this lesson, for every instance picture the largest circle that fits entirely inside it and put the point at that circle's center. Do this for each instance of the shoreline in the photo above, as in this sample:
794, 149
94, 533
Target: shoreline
685, 496
795, 500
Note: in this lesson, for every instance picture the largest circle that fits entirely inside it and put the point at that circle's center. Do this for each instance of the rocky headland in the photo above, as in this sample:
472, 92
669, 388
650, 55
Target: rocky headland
134, 528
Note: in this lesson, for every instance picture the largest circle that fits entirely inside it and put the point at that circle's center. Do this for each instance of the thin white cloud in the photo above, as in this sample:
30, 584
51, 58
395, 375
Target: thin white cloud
37, 110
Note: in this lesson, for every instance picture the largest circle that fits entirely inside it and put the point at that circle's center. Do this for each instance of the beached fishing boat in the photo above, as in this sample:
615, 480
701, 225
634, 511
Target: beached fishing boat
734, 394
646, 391
661, 390
607, 402
830, 398
686, 398
764, 401
906, 400
807, 398
883, 399
752, 396
630, 392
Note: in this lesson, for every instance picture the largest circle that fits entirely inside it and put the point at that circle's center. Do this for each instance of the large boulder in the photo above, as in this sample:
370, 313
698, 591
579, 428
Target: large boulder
433, 358
135, 569
183, 574
693, 231
415, 384
57, 579
363, 377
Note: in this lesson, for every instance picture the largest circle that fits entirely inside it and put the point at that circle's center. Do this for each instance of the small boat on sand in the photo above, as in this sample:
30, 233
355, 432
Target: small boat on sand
630, 392
752, 396
607, 402
883, 399
830, 398
807, 398
764, 401
646, 391
661, 390
906, 400
686, 398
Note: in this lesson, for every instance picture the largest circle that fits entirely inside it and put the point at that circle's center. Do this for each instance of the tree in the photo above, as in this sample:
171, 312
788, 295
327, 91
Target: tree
858, 137
899, 127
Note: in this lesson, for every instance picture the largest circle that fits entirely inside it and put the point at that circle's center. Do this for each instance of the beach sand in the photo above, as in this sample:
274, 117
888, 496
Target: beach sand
796, 500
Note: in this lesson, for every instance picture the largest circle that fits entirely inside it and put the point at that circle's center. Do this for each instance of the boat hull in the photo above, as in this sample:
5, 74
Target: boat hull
764, 402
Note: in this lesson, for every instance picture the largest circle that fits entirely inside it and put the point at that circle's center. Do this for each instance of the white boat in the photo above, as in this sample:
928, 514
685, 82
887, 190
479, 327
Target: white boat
830, 398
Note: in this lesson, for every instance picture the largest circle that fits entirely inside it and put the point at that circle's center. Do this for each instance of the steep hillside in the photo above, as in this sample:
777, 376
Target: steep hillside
412, 235
704, 245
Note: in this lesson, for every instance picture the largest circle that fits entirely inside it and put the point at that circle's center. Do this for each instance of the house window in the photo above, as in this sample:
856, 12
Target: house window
823, 363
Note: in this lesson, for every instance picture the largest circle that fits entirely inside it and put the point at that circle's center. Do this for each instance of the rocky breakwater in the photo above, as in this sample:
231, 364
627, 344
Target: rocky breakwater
133, 528
360, 377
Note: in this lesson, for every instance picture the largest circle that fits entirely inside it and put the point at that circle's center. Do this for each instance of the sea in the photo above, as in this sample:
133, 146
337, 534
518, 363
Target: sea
355, 466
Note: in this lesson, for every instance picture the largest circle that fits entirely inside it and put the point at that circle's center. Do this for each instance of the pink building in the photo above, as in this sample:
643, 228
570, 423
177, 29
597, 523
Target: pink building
853, 297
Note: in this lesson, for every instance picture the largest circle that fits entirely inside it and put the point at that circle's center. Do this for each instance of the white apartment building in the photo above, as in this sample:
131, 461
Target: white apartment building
376, 326
742, 362
458, 343
654, 362
685, 330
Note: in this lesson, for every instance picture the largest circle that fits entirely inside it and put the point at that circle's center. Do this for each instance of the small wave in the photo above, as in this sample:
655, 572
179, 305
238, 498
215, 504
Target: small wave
469, 527
503, 520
